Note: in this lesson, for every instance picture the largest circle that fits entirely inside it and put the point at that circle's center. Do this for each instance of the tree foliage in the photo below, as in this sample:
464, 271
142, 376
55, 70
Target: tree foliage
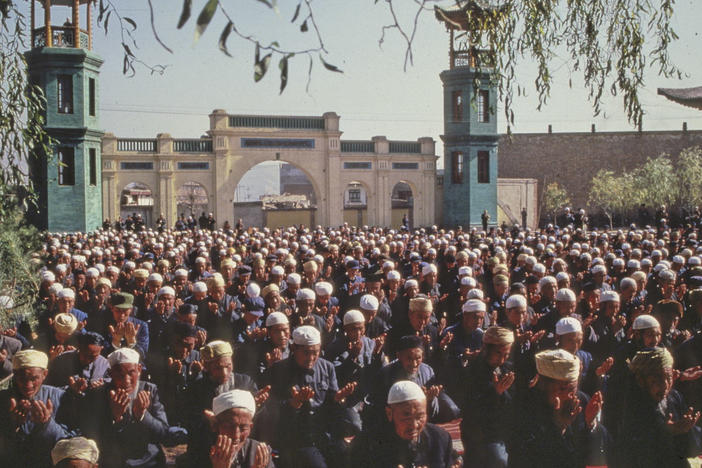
554, 199
22, 138
656, 182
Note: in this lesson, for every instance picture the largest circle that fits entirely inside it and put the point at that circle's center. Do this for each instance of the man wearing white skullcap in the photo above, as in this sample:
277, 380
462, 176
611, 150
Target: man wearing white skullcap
607, 331
232, 422
257, 357
547, 291
77, 452
356, 357
419, 322
66, 305
304, 313
125, 416
405, 425
550, 417
304, 387
31, 414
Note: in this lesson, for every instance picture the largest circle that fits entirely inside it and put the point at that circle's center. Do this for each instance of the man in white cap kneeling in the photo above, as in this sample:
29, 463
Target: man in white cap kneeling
405, 438
126, 418
306, 395
231, 422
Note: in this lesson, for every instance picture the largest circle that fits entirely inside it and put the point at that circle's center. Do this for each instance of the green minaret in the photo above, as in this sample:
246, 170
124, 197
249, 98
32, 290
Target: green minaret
470, 124
62, 63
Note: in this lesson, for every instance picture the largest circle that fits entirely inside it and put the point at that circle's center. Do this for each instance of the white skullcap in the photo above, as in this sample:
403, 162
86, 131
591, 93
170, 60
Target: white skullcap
278, 270
129, 265
633, 263
123, 356
199, 286
405, 390
411, 283
166, 290
276, 318
694, 261
393, 275
565, 295
468, 281
155, 277
181, 273
465, 270
609, 296
92, 272
253, 290
667, 275
200, 260
515, 300
429, 268
599, 269
539, 268
660, 266
562, 276
643, 322
323, 288
547, 280
55, 288
475, 294
61, 268
354, 316
77, 448
306, 335
234, 399
473, 305
306, 294
627, 283
294, 278
568, 325
369, 302
46, 275
646, 262
679, 259
67, 293
618, 262
388, 264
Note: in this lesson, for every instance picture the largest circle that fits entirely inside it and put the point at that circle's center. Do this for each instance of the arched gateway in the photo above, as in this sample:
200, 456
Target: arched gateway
236, 143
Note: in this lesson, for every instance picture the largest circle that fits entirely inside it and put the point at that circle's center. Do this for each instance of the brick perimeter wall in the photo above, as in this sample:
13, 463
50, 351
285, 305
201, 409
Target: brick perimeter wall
574, 158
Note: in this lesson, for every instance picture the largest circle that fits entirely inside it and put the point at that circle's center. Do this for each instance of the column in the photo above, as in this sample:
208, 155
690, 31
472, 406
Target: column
76, 24
47, 23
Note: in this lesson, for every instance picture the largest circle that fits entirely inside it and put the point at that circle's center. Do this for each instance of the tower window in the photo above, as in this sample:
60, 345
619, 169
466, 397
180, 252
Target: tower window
483, 167
457, 167
91, 96
67, 166
457, 100
92, 155
64, 92
483, 106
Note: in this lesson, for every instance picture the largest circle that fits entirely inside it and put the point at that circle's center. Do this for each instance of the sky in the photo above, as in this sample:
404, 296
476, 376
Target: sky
374, 95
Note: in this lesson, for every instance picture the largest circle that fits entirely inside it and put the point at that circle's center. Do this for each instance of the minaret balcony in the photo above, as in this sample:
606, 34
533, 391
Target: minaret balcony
62, 36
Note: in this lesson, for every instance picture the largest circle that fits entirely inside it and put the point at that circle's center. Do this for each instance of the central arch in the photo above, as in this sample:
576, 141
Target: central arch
273, 194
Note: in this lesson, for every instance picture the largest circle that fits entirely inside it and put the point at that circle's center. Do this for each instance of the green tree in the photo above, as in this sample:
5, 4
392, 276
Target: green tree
655, 182
607, 193
554, 199
689, 175
22, 137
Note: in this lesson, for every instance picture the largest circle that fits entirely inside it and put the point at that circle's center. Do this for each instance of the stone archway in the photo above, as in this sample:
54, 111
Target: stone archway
402, 205
137, 198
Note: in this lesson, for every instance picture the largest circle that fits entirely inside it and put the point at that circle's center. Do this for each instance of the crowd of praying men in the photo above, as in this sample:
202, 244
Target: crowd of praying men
350, 347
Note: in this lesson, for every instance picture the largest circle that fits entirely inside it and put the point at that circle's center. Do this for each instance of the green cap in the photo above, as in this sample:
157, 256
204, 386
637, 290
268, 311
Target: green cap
122, 300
